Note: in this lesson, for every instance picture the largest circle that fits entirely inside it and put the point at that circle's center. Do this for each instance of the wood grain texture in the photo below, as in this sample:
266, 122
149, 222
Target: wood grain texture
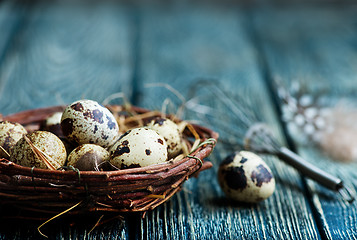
12, 15
178, 45
316, 45
59, 229
65, 51
59, 51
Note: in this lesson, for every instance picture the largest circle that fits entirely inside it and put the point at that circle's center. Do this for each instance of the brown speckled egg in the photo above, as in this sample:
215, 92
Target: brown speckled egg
53, 124
170, 132
47, 142
245, 177
10, 133
88, 157
138, 147
86, 121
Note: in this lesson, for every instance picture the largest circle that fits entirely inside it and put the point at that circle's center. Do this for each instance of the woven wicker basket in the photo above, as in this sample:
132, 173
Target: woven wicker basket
130, 190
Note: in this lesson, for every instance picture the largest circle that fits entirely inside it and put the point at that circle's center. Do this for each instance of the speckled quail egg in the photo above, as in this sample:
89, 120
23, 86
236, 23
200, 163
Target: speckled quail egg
88, 157
53, 124
138, 147
245, 177
47, 142
86, 121
10, 133
170, 132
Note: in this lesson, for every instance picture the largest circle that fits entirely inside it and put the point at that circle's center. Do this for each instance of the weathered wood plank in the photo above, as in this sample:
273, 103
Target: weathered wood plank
12, 15
67, 51
178, 44
316, 45
64, 51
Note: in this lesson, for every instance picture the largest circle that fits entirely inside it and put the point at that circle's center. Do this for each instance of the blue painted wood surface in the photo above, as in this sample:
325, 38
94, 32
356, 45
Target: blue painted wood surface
321, 52
57, 52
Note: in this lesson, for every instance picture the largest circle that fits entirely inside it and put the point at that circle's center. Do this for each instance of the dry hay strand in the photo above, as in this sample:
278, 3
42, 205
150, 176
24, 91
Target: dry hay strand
48, 192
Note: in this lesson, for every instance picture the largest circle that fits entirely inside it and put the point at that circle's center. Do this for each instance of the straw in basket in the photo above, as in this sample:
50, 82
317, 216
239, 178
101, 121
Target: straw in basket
48, 192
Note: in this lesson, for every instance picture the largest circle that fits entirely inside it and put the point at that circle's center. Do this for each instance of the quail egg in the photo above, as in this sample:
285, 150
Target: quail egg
170, 132
138, 147
53, 124
245, 177
10, 133
86, 121
47, 142
88, 157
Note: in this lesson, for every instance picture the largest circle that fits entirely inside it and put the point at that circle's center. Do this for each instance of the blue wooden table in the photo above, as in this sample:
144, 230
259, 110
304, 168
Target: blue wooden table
56, 52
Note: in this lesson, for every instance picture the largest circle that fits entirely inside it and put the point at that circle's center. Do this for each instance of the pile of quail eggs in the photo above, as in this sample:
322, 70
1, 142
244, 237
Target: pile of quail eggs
86, 136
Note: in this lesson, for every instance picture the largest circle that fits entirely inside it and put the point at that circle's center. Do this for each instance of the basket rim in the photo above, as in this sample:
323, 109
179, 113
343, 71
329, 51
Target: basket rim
29, 116
167, 178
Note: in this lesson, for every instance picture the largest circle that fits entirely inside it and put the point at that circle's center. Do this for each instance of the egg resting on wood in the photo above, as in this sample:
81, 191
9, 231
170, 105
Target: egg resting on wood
86, 121
10, 133
138, 147
245, 177
47, 142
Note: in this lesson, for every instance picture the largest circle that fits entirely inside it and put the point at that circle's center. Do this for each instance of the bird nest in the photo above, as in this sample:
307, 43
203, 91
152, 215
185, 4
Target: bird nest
130, 190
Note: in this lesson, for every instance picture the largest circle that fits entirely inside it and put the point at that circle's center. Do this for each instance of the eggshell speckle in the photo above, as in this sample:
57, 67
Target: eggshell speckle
10, 133
245, 177
170, 132
47, 142
88, 157
53, 124
139, 147
86, 121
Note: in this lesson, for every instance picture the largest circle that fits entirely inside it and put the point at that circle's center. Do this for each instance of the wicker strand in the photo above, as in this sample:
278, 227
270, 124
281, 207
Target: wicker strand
33, 178
70, 167
47, 192
210, 141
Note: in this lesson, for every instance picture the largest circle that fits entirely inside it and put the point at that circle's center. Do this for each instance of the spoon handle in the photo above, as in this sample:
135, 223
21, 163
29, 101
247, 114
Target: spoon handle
315, 173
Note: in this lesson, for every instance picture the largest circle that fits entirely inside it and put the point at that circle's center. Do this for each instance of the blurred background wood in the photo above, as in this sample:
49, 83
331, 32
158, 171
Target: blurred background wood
320, 52
60, 51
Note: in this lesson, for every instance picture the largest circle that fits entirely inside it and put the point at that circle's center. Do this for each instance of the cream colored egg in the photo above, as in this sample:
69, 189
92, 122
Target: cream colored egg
53, 124
245, 177
54, 119
170, 132
10, 133
88, 157
86, 121
47, 142
139, 147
